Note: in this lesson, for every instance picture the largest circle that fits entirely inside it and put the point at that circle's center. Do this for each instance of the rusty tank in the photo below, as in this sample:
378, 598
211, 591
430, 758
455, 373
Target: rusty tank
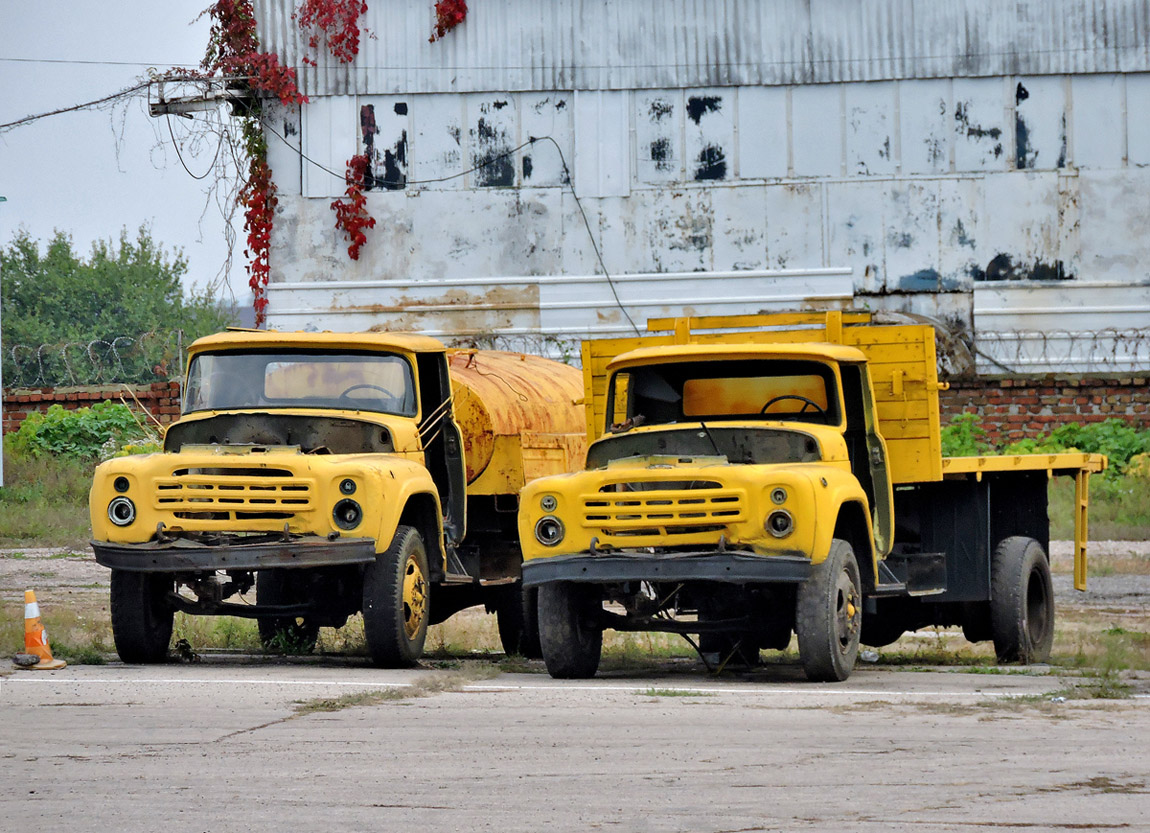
519, 417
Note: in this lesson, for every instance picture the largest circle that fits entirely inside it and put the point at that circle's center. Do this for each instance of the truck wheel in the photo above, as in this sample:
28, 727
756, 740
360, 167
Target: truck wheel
828, 616
141, 615
287, 634
395, 601
571, 641
1021, 601
518, 618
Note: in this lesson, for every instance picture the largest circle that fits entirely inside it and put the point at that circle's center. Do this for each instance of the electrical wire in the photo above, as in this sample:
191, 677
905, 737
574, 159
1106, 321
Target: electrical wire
567, 180
180, 156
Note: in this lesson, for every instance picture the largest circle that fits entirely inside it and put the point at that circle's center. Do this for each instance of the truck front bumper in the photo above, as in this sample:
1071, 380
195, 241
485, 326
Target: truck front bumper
184, 556
731, 567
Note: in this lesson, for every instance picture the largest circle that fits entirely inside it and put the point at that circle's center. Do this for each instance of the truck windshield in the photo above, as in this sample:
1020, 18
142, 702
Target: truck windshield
724, 390
381, 382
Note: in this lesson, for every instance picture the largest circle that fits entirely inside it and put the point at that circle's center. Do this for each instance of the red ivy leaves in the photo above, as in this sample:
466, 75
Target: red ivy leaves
338, 20
235, 50
259, 199
448, 15
351, 214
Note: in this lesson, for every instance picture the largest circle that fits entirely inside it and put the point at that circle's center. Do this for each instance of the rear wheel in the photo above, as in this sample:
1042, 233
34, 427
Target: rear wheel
1021, 601
289, 634
828, 616
571, 640
516, 612
141, 615
396, 595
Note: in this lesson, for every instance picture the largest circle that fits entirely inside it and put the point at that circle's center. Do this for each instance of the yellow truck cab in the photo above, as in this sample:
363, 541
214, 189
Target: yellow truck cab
784, 477
334, 473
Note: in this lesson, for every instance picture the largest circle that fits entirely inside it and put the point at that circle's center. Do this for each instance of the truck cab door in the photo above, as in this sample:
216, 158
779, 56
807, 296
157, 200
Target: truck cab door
443, 444
868, 452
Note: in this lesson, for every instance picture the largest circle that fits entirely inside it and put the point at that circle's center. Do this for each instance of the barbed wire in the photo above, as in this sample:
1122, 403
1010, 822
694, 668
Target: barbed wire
154, 356
1110, 351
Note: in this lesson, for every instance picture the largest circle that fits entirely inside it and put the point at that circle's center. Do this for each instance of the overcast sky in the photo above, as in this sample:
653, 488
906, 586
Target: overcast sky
90, 174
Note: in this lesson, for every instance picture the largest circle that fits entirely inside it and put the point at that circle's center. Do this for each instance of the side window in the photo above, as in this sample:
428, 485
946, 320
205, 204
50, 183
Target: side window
620, 398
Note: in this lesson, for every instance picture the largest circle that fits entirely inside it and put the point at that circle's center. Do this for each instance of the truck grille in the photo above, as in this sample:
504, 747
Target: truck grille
664, 508
233, 494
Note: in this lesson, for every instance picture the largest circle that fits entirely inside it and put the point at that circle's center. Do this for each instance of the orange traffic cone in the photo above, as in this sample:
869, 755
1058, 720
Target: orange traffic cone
36, 638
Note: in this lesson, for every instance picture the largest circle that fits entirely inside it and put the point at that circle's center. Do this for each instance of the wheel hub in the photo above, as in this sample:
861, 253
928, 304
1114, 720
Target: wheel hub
414, 597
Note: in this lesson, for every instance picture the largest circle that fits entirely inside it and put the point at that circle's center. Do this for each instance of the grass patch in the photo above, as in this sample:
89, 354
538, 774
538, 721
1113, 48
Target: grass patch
1119, 508
45, 501
426, 686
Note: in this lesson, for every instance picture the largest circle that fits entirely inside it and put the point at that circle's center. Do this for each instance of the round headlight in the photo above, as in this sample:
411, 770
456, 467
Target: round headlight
347, 514
120, 484
780, 523
549, 531
778, 495
347, 486
548, 503
121, 511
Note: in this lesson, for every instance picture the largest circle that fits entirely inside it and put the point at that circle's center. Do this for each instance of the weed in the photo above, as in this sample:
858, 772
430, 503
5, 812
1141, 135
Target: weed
84, 654
423, 687
519, 665
17, 556
674, 692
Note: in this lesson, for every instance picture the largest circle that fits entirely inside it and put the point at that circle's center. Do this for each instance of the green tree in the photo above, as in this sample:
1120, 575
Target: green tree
117, 315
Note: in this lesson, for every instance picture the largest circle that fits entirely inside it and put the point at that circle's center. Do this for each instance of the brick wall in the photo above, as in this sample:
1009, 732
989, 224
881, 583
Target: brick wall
1011, 408
1017, 407
160, 399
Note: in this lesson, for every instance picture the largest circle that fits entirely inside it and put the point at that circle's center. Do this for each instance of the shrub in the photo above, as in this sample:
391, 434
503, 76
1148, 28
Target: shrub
964, 437
87, 433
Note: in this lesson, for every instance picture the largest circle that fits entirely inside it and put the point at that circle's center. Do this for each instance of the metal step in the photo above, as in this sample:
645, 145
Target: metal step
888, 582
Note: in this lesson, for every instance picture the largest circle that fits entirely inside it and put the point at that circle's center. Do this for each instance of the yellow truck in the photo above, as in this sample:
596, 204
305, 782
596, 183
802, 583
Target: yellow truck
753, 477
335, 473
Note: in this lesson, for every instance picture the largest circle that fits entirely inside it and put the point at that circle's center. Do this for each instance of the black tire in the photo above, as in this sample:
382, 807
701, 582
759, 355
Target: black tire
1021, 601
516, 612
141, 615
289, 634
572, 643
396, 596
828, 616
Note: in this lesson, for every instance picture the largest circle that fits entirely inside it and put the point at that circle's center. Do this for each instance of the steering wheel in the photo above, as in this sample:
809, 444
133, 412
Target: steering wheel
384, 391
822, 411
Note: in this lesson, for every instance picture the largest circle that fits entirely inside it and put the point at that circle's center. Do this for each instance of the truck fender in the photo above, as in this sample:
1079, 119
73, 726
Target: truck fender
852, 523
416, 505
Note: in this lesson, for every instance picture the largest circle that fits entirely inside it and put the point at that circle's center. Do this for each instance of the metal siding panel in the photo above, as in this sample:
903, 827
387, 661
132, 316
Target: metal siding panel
709, 135
794, 226
385, 128
1114, 215
960, 222
870, 125
1098, 124
763, 132
740, 228
856, 230
1022, 221
925, 134
284, 147
1040, 123
658, 136
602, 145
911, 236
546, 116
816, 136
1138, 119
981, 133
437, 149
493, 135
330, 127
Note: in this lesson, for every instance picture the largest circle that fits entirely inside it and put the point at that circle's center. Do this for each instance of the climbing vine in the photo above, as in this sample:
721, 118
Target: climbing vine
336, 21
448, 15
234, 51
351, 214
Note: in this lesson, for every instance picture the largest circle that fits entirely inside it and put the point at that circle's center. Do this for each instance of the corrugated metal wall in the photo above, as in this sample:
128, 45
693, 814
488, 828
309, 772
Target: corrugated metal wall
930, 191
521, 45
